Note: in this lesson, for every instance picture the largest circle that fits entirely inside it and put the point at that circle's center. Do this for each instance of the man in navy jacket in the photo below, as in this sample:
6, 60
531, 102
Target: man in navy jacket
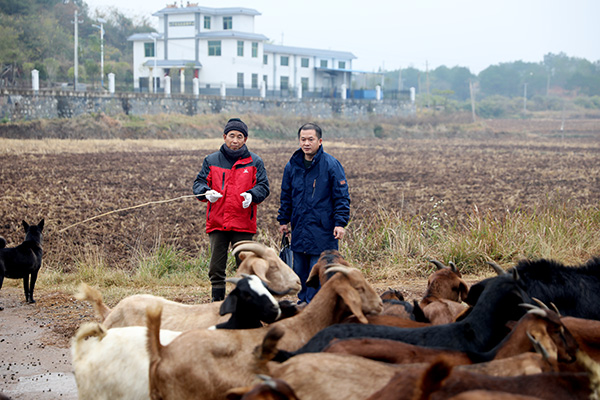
315, 200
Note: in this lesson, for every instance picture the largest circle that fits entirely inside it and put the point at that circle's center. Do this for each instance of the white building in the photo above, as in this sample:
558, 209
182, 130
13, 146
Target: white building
220, 48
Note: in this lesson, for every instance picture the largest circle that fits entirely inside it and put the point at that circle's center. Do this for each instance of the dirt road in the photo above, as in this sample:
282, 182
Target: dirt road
35, 359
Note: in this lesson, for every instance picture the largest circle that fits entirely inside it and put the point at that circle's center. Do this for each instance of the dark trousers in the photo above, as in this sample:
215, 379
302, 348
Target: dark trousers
219, 247
303, 263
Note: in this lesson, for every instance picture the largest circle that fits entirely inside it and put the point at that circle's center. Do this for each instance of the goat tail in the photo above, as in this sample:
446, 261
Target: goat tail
432, 379
88, 293
267, 351
2, 242
153, 316
85, 331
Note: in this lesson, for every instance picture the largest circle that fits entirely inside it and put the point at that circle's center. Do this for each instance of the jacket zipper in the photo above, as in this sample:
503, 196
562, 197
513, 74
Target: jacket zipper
313, 193
223, 182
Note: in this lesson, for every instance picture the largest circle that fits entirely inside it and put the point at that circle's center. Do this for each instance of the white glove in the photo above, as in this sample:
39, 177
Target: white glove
212, 195
247, 199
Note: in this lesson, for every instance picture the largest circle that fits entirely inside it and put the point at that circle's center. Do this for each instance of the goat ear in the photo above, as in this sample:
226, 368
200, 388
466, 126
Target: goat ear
353, 301
228, 306
237, 393
259, 267
41, 224
25, 225
313, 278
463, 289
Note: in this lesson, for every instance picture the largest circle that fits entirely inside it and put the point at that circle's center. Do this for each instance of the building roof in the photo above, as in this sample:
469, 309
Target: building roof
303, 51
207, 10
145, 36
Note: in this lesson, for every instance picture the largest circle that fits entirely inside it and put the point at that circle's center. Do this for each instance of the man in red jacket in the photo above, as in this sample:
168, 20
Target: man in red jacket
233, 181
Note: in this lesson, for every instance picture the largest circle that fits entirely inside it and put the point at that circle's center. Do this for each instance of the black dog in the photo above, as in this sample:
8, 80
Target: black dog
24, 260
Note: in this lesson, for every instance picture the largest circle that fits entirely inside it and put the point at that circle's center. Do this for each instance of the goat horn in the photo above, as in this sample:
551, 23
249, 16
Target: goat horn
233, 280
555, 308
438, 264
541, 303
338, 268
248, 245
497, 268
453, 267
539, 348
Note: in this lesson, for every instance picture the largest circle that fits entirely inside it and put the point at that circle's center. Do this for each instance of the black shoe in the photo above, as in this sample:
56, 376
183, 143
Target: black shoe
218, 294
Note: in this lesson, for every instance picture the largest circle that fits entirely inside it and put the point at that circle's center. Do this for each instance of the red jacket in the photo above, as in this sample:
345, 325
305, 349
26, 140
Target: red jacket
231, 178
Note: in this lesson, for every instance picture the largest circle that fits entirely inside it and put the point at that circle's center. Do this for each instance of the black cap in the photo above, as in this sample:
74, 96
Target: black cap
236, 124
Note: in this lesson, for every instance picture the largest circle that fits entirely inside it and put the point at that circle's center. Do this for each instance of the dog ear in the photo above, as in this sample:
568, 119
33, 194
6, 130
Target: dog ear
25, 226
41, 224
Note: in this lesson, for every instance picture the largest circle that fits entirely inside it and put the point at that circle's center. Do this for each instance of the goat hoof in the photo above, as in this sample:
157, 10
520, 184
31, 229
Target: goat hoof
1, 308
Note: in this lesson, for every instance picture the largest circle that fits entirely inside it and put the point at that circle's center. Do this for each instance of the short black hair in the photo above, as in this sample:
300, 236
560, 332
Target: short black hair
309, 126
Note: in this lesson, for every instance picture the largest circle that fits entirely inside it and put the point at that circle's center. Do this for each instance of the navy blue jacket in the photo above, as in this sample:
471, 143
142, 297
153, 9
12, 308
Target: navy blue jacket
314, 200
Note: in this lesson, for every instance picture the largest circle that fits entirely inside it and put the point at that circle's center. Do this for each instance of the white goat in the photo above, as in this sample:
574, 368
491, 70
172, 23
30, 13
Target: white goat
112, 364
203, 364
257, 259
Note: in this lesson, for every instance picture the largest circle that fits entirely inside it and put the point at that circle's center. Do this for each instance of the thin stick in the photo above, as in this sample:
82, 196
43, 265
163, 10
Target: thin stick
129, 208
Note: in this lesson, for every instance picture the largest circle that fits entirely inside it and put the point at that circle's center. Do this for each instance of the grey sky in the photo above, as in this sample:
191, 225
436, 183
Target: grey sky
394, 34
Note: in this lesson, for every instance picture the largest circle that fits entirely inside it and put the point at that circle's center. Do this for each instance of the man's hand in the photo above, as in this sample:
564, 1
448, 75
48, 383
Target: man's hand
212, 195
339, 232
247, 199
283, 229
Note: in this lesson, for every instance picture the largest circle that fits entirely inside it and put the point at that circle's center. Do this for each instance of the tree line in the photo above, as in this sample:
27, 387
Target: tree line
39, 34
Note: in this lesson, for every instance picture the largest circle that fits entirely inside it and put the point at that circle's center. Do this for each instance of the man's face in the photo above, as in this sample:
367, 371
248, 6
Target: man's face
235, 140
309, 142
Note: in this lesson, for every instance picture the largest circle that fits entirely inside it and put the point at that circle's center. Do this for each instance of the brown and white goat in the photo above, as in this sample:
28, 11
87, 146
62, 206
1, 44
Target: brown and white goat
257, 259
203, 364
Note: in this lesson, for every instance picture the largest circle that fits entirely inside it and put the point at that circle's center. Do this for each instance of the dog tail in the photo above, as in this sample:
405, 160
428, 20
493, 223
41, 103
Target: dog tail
2, 242
88, 293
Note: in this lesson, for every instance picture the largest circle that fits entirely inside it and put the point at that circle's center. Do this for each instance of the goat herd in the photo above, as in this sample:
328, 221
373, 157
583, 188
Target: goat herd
531, 332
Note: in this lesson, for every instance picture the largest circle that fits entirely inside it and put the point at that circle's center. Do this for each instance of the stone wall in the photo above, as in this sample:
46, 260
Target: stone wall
19, 105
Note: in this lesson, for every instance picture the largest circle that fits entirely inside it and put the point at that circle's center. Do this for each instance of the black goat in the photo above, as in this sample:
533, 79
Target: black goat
574, 290
249, 303
23, 261
480, 331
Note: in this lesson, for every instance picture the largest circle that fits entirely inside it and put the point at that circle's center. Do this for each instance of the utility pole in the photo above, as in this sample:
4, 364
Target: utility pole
102, 21
76, 62
427, 81
472, 92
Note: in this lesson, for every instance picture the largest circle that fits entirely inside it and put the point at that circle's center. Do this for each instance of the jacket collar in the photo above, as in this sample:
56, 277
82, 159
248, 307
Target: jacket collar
298, 156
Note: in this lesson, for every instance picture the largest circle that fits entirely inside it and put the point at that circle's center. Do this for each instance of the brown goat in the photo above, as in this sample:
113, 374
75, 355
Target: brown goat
441, 381
204, 364
446, 289
256, 259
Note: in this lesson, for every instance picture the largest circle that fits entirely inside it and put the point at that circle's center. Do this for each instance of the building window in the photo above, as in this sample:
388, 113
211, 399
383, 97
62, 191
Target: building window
254, 49
240, 79
254, 81
284, 82
149, 49
304, 83
342, 65
265, 59
265, 81
304, 62
214, 47
206, 22
323, 63
240, 48
285, 61
227, 23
